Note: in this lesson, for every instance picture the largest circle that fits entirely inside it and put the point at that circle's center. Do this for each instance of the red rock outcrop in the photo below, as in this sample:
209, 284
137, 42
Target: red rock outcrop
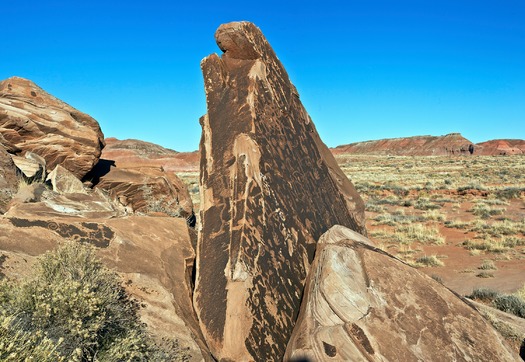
362, 304
33, 120
8, 179
450, 144
501, 147
269, 189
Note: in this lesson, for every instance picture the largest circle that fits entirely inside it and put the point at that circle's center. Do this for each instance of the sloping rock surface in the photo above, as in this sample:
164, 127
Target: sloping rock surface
8, 179
501, 147
362, 304
450, 144
33, 120
269, 189
153, 255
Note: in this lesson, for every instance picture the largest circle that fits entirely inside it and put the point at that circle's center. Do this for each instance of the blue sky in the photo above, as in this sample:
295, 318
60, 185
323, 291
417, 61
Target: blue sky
365, 69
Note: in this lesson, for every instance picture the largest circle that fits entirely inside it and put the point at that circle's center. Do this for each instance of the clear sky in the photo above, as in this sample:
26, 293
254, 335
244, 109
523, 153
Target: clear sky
365, 69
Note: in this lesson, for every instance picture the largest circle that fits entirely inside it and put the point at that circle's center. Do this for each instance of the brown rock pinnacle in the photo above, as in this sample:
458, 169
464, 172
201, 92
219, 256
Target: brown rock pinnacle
269, 189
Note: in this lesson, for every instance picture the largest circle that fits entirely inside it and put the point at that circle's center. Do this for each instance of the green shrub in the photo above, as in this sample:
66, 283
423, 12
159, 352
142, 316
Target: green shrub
74, 309
510, 304
488, 265
485, 211
429, 260
484, 294
509, 193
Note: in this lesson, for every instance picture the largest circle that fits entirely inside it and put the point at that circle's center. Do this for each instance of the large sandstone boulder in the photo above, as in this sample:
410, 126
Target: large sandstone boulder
362, 304
153, 255
269, 189
33, 120
8, 179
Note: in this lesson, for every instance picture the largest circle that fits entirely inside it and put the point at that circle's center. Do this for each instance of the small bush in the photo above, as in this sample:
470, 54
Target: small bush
510, 193
485, 211
510, 304
484, 294
426, 204
485, 274
430, 260
74, 309
418, 232
488, 265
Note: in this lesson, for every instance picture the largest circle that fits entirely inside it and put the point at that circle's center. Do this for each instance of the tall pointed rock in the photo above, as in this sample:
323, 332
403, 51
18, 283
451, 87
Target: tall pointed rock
269, 189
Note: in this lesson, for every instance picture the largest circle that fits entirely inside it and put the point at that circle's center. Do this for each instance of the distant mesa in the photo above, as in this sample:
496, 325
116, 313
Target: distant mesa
452, 144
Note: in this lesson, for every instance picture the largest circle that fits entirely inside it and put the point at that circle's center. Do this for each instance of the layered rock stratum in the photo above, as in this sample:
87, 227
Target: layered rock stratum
448, 145
136, 153
32, 120
139, 176
362, 304
501, 147
269, 189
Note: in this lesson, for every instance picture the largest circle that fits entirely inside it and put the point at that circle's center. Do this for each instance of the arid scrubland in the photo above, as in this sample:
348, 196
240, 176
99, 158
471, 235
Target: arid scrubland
450, 216
461, 219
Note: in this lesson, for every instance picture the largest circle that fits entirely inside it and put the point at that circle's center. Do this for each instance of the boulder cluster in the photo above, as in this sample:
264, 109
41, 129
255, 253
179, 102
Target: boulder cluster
277, 265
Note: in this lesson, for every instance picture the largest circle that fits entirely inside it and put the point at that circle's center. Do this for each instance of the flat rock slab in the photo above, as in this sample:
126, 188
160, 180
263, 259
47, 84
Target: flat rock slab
33, 120
269, 189
362, 304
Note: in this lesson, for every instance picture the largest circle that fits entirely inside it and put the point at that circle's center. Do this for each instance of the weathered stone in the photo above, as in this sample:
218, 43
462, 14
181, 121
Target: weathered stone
153, 256
362, 304
32, 120
147, 190
31, 169
269, 189
64, 182
37, 200
8, 179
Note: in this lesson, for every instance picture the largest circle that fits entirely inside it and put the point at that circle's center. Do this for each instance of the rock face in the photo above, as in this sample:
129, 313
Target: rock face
8, 179
32, 120
269, 189
450, 144
153, 255
362, 304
